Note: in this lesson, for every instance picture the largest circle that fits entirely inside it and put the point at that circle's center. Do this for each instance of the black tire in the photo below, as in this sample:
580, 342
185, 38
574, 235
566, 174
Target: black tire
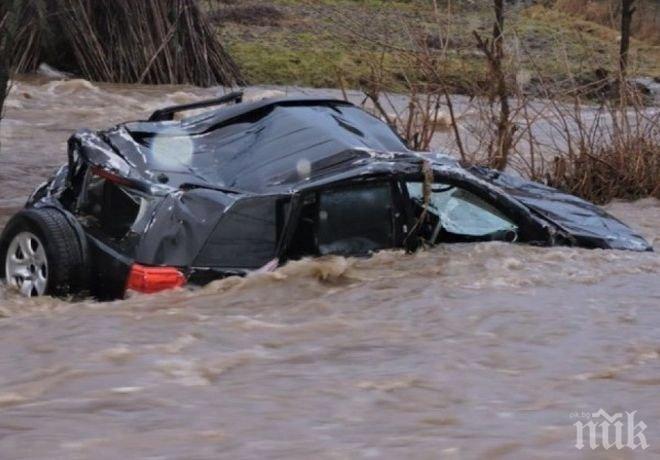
65, 261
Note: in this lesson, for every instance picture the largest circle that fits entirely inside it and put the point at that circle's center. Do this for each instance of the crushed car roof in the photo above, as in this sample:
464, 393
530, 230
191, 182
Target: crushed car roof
259, 146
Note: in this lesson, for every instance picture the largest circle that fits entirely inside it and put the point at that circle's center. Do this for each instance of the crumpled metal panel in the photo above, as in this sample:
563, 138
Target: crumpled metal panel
276, 148
180, 226
588, 224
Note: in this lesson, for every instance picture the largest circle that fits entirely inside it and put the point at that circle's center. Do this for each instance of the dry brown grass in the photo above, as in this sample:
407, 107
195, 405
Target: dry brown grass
628, 168
611, 152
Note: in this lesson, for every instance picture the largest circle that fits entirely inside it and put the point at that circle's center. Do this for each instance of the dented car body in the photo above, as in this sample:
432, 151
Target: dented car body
255, 184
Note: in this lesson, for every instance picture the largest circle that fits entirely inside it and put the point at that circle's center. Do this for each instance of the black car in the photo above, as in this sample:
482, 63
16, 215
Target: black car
156, 204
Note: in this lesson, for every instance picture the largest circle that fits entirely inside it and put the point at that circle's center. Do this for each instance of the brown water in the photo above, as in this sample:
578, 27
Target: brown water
465, 351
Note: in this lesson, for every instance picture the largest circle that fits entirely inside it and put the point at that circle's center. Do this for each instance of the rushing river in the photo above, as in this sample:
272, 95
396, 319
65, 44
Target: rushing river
465, 351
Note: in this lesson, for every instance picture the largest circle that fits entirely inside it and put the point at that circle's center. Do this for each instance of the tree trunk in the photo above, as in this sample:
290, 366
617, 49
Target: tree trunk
627, 11
494, 51
498, 30
504, 131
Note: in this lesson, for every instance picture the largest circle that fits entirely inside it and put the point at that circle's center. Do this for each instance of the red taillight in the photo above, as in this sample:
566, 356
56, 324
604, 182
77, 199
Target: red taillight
107, 175
154, 279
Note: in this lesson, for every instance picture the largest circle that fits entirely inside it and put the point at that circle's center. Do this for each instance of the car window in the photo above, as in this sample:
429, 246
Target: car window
246, 236
462, 212
107, 206
355, 220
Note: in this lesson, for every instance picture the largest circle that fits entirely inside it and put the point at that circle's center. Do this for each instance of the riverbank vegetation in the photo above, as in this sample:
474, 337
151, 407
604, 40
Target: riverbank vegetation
596, 138
529, 63
150, 41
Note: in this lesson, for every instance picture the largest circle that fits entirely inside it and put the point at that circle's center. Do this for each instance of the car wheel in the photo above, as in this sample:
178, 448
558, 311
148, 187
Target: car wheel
40, 254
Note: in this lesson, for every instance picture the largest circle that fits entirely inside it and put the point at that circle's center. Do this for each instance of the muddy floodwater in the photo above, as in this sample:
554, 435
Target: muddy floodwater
465, 351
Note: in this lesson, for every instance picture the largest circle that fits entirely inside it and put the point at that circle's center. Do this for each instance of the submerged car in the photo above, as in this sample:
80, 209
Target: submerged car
156, 204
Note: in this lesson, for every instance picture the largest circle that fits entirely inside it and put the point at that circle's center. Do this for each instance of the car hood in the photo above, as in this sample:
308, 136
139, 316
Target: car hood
587, 223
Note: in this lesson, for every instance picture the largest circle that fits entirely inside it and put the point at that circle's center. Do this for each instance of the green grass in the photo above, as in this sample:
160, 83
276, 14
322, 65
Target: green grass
313, 49
280, 65
577, 46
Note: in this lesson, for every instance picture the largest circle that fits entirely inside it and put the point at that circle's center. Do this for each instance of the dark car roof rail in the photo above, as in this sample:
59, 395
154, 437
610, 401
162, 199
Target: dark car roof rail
167, 113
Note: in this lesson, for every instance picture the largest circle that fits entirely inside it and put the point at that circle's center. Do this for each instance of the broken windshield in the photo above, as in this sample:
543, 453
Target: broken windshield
461, 212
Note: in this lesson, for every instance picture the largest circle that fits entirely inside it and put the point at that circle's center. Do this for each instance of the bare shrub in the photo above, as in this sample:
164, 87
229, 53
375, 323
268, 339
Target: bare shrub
493, 49
422, 116
150, 41
611, 152
599, 152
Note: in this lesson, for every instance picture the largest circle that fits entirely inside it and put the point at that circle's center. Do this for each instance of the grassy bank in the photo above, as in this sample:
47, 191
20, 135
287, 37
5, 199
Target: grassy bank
299, 42
427, 54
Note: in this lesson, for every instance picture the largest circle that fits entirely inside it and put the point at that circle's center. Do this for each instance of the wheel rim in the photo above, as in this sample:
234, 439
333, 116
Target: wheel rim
26, 265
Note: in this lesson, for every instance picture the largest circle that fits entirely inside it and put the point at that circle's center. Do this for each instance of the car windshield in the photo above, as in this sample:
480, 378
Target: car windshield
461, 212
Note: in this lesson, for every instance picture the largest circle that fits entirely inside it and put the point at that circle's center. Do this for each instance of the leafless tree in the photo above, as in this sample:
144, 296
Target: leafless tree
493, 49
627, 10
